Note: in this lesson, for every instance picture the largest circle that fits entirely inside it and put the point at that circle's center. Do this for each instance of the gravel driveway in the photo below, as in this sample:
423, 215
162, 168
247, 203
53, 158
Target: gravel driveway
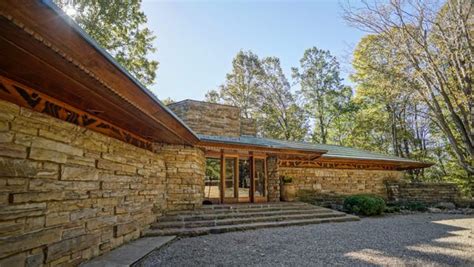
420, 239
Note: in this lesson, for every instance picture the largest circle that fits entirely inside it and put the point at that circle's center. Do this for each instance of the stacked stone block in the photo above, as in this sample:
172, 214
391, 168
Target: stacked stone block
208, 118
340, 182
248, 127
428, 193
68, 194
273, 176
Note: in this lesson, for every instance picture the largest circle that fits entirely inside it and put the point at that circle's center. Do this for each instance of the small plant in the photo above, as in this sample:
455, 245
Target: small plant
391, 209
367, 205
414, 206
287, 179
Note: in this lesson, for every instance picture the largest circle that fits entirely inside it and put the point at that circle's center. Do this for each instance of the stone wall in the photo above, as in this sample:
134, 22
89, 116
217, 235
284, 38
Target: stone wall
68, 194
185, 171
273, 177
248, 127
428, 193
340, 182
208, 118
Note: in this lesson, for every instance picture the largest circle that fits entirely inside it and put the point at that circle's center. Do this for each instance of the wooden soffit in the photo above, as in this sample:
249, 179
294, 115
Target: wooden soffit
348, 163
43, 50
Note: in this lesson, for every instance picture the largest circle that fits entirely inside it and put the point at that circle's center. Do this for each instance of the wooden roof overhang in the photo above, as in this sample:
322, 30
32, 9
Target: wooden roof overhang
282, 153
43, 49
355, 163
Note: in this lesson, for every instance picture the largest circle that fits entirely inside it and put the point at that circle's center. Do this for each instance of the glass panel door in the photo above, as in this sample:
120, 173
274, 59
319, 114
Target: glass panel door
229, 177
212, 181
244, 180
260, 178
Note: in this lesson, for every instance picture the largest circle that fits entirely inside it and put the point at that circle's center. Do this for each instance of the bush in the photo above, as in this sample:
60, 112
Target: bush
414, 206
287, 179
367, 205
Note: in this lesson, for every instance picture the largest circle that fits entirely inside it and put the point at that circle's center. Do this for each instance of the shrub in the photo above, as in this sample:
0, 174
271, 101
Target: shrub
367, 205
391, 209
287, 179
414, 206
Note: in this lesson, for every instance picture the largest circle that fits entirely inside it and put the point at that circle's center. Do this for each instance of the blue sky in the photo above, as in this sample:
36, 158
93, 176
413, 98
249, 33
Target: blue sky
196, 40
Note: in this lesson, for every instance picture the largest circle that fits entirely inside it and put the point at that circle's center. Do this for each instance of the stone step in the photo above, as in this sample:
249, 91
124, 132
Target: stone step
255, 205
257, 213
242, 227
242, 210
252, 219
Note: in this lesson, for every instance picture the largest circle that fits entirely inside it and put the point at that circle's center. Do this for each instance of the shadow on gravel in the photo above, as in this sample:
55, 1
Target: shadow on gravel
420, 239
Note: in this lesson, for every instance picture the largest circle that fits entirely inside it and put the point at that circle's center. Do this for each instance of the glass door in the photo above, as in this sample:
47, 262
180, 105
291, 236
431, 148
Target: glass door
212, 180
231, 172
259, 179
244, 185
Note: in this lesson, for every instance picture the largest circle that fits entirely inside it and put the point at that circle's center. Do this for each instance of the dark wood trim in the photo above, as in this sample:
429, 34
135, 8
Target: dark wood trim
27, 97
345, 163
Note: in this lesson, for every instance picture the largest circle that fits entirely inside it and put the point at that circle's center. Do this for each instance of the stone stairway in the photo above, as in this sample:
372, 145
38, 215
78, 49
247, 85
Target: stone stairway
239, 217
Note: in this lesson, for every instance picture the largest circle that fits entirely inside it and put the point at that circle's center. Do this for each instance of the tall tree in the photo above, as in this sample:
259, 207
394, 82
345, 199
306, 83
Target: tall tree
279, 115
434, 42
321, 89
120, 28
241, 87
212, 96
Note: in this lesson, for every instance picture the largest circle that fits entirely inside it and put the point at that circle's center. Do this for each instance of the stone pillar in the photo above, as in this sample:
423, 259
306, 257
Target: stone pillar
273, 179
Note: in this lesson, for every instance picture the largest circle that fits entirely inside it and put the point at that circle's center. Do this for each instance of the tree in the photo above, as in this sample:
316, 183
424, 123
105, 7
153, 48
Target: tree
119, 27
167, 101
434, 44
323, 94
241, 88
279, 115
212, 96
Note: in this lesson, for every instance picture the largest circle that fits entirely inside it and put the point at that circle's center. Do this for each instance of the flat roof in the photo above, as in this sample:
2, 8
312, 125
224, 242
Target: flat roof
329, 151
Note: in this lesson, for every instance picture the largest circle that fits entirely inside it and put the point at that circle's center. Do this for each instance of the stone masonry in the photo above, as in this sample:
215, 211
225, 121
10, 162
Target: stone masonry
340, 182
213, 119
273, 177
68, 194
248, 127
428, 193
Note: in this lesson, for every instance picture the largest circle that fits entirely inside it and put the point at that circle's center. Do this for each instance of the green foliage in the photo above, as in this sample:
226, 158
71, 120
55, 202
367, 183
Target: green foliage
167, 101
119, 27
279, 115
213, 169
241, 88
324, 96
212, 96
287, 179
412, 205
391, 209
367, 205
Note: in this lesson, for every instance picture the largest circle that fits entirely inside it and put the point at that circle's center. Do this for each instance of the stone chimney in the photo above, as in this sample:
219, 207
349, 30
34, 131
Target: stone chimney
213, 119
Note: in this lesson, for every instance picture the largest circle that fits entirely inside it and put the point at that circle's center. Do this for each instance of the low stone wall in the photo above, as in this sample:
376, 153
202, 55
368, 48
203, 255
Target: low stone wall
428, 193
68, 194
333, 183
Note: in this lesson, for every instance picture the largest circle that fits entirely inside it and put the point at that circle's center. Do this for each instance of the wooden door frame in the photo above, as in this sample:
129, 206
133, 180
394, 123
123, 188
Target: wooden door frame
235, 157
264, 198
251, 156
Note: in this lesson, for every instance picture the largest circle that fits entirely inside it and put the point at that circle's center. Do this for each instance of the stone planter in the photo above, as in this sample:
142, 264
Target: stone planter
288, 192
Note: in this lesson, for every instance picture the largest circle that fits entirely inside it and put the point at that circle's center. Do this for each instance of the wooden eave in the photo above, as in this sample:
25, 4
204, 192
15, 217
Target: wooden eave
354, 163
43, 50
400, 165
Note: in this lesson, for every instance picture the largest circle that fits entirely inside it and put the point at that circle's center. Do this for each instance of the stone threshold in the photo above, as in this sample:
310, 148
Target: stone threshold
130, 253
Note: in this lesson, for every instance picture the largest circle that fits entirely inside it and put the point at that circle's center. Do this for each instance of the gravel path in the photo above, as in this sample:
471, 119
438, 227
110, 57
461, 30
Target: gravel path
420, 239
